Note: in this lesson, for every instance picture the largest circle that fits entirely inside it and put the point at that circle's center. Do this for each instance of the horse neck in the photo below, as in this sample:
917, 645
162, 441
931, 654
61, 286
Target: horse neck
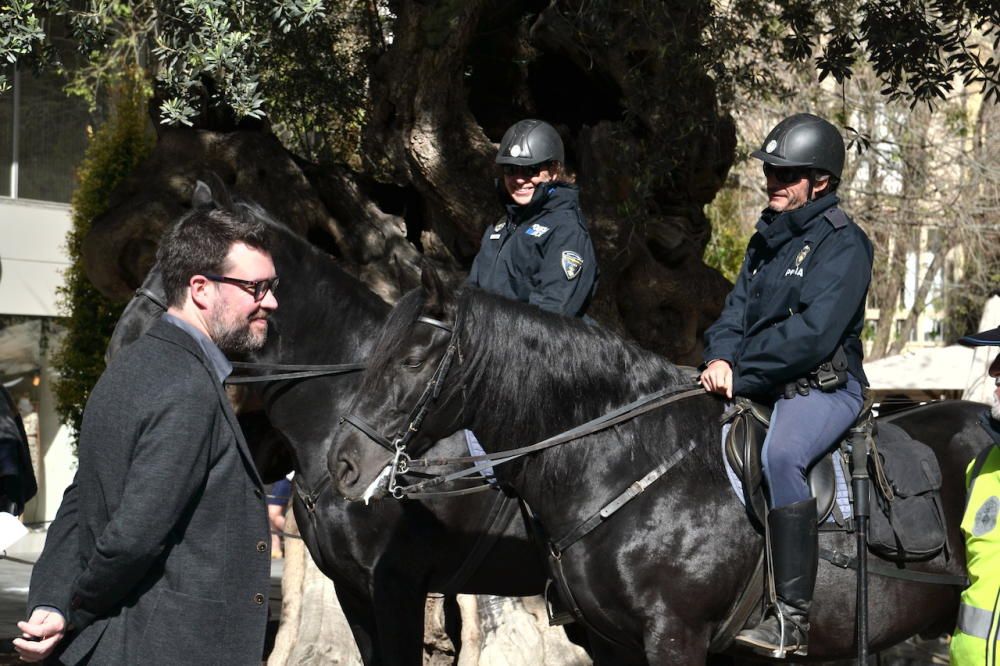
329, 316
530, 374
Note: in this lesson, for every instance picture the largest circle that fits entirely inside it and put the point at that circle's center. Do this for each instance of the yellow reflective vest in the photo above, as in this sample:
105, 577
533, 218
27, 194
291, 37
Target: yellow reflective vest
974, 642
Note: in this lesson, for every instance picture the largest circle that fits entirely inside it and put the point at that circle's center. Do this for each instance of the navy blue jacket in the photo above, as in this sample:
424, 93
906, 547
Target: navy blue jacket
800, 293
540, 253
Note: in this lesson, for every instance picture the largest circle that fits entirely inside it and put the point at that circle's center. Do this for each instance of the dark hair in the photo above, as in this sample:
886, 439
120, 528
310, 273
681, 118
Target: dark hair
833, 182
200, 242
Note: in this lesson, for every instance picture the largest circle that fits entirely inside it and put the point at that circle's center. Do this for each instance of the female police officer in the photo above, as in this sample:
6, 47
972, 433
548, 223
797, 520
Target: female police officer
789, 334
540, 252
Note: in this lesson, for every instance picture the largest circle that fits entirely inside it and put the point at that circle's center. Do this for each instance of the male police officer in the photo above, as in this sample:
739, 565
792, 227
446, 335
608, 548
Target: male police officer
789, 333
975, 640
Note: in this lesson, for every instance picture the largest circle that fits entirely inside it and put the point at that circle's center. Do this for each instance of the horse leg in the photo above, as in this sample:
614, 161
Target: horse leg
453, 621
360, 615
399, 616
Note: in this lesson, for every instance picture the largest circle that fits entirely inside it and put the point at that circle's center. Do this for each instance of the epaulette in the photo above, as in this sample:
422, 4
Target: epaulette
836, 217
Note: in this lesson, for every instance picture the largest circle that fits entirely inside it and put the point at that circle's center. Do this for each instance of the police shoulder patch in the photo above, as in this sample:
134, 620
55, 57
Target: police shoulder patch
572, 263
537, 230
986, 517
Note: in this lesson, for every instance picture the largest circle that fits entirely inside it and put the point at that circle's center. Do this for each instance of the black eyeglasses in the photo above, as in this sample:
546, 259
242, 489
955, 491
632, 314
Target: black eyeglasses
524, 171
257, 288
786, 175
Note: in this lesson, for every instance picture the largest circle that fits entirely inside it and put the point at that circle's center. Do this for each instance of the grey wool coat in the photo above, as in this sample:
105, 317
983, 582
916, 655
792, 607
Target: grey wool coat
160, 551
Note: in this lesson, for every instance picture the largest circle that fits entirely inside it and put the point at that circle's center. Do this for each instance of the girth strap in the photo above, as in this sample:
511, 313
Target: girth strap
740, 612
843, 561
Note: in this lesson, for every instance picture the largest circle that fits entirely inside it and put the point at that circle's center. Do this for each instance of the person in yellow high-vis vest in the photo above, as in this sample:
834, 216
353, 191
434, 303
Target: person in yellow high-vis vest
974, 642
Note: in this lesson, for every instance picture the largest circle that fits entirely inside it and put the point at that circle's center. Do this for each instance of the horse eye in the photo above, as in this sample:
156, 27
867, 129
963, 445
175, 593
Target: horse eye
413, 362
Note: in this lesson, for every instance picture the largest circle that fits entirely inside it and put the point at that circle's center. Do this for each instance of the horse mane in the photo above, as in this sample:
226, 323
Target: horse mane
575, 371
567, 362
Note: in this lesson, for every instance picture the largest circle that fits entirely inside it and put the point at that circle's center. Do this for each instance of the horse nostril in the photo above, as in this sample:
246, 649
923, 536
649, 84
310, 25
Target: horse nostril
347, 472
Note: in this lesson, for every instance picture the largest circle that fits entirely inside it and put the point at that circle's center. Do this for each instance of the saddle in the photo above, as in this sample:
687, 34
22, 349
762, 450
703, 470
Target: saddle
749, 421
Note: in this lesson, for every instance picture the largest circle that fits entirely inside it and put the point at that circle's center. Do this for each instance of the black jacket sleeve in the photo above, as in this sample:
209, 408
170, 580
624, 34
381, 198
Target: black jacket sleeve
561, 285
722, 339
59, 564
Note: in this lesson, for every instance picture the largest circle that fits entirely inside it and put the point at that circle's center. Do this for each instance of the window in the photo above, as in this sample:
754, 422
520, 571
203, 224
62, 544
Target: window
932, 330
43, 134
912, 337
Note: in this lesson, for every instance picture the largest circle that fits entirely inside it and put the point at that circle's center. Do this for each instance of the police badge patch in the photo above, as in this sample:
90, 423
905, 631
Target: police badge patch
986, 517
499, 225
537, 230
571, 264
797, 269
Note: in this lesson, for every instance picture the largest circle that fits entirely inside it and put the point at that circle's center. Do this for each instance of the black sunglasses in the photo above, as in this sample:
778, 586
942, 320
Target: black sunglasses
257, 288
524, 171
786, 175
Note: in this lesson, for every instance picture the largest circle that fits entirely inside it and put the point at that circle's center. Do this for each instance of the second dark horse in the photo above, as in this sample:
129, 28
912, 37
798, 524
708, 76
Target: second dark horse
385, 559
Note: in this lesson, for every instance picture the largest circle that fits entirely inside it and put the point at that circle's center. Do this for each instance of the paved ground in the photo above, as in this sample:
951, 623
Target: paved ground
15, 572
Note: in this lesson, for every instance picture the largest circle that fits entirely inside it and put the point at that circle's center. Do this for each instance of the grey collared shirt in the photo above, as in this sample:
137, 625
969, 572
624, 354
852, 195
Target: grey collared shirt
220, 364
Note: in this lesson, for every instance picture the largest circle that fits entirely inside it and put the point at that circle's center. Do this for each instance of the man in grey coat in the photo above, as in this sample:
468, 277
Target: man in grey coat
160, 551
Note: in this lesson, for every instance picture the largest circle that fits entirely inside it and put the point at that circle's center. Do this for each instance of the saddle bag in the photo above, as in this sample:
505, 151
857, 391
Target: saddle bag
907, 518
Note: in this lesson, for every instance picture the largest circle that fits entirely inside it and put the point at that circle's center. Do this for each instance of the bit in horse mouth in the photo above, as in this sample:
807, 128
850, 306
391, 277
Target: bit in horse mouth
380, 483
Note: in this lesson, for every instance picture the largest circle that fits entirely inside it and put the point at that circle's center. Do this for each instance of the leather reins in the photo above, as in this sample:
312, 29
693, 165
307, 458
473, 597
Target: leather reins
284, 371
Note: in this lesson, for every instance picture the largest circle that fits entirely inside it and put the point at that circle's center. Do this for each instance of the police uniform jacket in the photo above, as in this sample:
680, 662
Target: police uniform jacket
160, 551
800, 293
540, 253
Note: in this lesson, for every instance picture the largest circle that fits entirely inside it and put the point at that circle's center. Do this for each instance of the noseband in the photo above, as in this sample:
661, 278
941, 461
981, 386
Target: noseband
397, 446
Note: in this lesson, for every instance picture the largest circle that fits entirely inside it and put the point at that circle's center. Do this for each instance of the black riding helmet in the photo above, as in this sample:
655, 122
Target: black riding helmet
804, 140
529, 142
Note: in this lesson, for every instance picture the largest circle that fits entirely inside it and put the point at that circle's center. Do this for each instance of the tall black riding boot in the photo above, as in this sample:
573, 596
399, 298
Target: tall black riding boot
794, 546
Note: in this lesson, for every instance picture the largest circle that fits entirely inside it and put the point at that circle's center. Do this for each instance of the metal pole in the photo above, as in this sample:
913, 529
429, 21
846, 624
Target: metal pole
860, 438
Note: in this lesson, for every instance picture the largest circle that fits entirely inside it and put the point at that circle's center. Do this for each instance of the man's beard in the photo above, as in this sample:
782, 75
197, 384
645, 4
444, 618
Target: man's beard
995, 407
236, 337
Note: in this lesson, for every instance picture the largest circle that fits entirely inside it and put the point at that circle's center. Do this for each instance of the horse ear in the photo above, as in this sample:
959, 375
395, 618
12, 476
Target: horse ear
220, 193
434, 289
202, 197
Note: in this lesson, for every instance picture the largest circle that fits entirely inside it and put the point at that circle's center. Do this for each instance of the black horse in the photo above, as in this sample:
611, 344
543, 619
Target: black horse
385, 559
659, 576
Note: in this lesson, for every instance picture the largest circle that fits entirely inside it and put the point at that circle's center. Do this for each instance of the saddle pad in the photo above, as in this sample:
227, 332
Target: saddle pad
843, 498
476, 449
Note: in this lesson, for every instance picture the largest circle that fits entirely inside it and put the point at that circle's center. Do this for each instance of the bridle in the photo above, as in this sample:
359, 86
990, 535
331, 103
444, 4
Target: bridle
397, 446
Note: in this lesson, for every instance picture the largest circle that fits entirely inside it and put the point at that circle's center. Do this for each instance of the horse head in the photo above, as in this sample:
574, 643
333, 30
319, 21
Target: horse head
410, 394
